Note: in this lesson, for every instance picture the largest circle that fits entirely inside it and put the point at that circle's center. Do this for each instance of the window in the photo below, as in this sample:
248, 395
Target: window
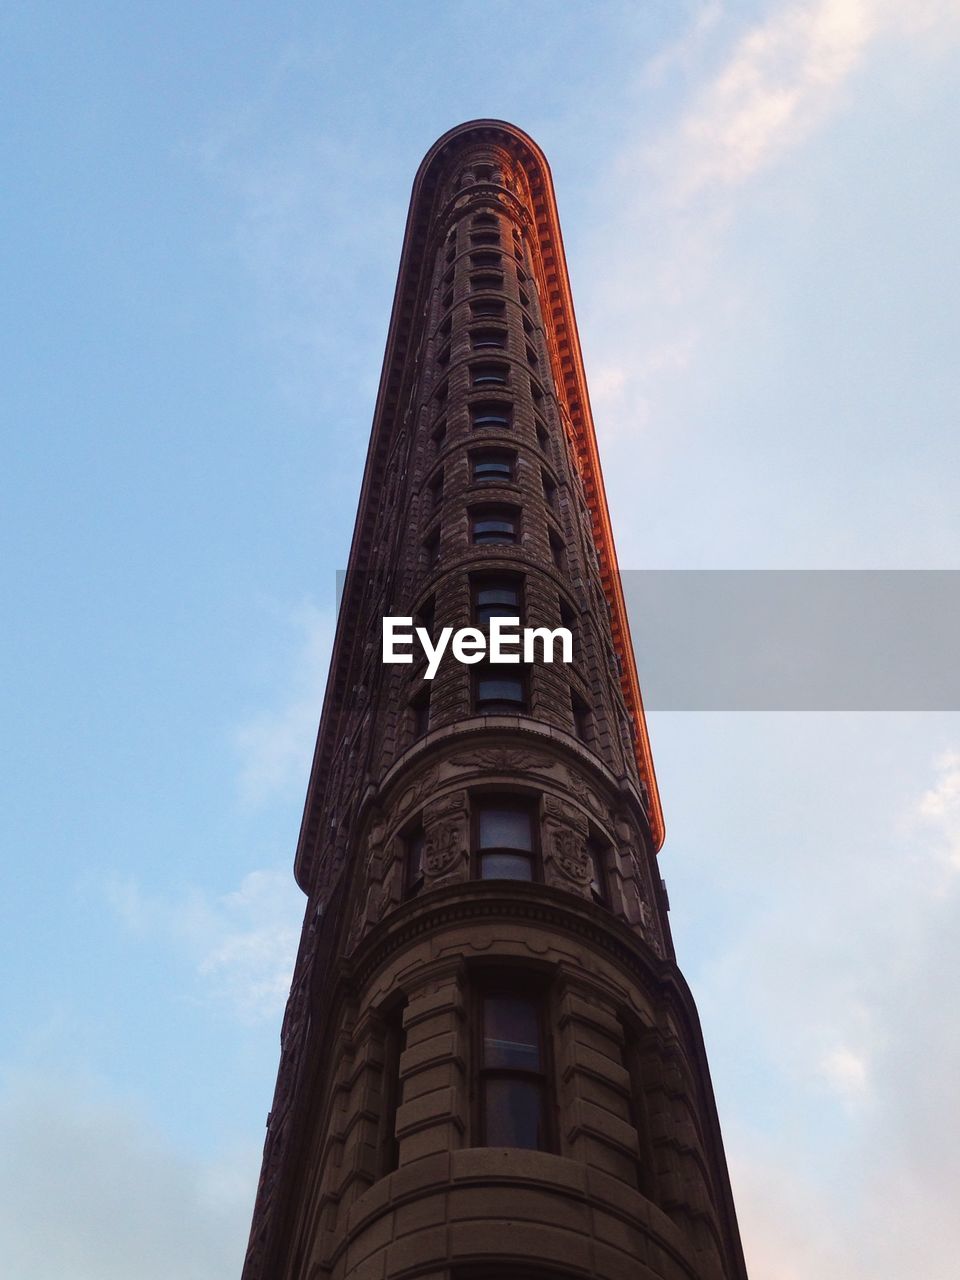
512, 1076
485, 237
413, 861
448, 276
500, 690
570, 619
439, 434
497, 413
497, 597
556, 550
484, 220
431, 548
488, 307
489, 375
486, 280
481, 339
420, 713
531, 357
425, 615
486, 258
582, 719
394, 1043
494, 526
524, 298
597, 858
441, 393
443, 358
536, 391
549, 490
504, 839
447, 300
632, 1059
484, 172
527, 326
492, 465
435, 491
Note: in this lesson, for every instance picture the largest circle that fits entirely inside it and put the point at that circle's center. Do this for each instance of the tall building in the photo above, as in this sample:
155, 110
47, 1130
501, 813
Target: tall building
491, 1065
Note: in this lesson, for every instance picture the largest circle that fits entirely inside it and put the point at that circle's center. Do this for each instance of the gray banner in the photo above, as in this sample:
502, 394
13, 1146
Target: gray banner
796, 640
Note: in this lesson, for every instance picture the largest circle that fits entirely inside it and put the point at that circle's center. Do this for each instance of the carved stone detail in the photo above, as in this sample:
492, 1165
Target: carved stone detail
418, 789
584, 793
565, 862
442, 848
501, 759
554, 807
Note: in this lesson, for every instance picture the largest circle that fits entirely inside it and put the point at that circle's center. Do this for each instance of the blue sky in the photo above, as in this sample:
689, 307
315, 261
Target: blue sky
203, 214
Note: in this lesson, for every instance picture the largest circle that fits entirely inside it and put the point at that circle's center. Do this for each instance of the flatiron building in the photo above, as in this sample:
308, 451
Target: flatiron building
491, 1065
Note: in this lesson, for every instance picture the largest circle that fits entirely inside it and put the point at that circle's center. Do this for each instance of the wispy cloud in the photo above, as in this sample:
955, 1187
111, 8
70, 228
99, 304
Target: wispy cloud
746, 131
777, 86
782, 80
241, 944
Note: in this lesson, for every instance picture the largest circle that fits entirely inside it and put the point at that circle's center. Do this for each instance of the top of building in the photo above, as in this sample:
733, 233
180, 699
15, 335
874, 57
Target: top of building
573, 399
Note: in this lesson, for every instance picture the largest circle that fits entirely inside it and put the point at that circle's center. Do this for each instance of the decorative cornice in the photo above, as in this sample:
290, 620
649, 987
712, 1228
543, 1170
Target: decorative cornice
553, 909
571, 388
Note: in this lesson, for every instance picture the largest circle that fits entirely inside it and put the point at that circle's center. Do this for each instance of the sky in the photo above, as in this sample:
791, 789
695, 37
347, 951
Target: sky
202, 218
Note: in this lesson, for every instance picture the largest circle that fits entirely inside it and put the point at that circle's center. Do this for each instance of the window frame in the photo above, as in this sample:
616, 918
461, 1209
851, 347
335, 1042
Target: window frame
489, 373
499, 513
495, 582
413, 884
419, 709
491, 415
488, 338
477, 456
394, 1042
486, 278
430, 547
598, 849
511, 984
501, 706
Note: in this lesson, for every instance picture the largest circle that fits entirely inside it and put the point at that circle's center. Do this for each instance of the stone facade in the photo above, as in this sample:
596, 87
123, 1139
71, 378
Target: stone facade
483, 484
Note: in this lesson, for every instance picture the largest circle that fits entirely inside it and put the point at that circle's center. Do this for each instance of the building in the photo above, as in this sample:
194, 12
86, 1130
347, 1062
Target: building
491, 1064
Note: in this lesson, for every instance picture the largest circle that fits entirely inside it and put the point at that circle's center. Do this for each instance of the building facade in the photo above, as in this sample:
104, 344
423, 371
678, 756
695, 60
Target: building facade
490, 1063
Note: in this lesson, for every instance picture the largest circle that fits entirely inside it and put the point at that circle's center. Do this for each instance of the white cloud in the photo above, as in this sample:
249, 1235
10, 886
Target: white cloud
845, 1070
835, 1004
242, 944
751, 132
275, 746
782, 81
88, 1190
939, 809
